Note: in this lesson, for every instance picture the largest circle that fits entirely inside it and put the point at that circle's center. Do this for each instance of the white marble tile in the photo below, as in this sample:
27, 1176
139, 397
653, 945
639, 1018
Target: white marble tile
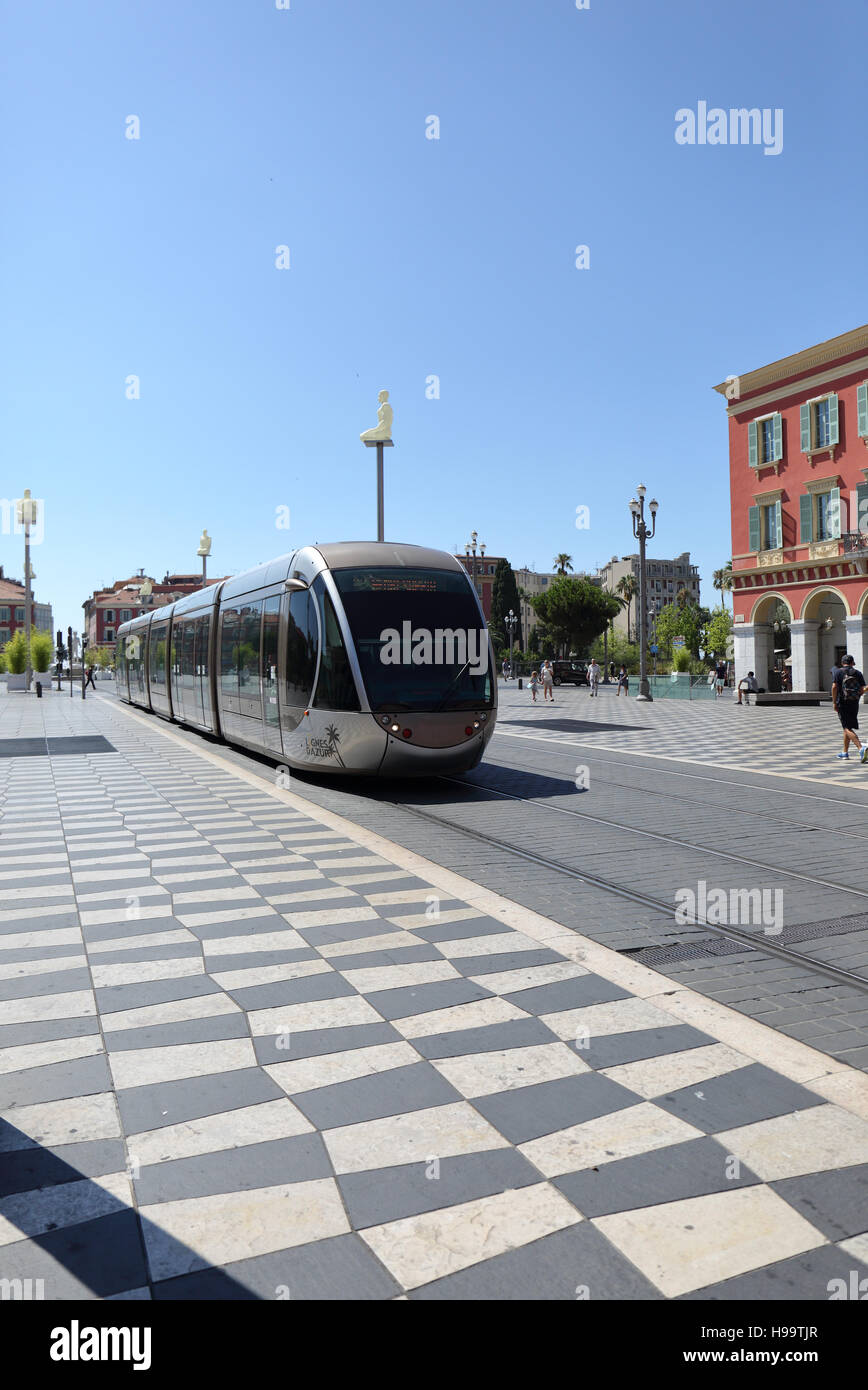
529, 977
138, 971
493, 945
487, 1073
420, 1249
636, 1129
196, 1232
442, 1131
138, 943
143, 1066
241, 893
655, 1076
373, 978
28, 1214
390, 941
408, 895
603, 1020
805, 1141
43, 1054
307, 895
357, 878
232, 914
479, 1013
18, 914
688, 1245
449, 914
344, 1012
216, 946
267, 974
361, 861
309, 1073
41, 1008
61, 1122
174, 1011
231, 1129
27, 940
330, 917
16, 970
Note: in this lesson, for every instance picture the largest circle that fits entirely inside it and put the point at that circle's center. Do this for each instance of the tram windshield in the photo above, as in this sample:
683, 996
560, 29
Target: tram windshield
418, 638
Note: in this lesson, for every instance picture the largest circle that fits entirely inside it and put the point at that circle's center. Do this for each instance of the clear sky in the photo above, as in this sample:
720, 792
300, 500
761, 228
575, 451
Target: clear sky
409, 257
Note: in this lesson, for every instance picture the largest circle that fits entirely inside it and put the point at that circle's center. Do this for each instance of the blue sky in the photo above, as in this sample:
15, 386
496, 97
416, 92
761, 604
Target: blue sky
409, 258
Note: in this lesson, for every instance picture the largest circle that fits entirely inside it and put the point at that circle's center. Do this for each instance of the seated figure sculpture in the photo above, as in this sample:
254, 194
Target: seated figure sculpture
383, 429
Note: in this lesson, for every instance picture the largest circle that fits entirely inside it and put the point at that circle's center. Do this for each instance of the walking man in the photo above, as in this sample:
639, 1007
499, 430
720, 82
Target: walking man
720, 677
89, 680
548, 681
594, 676
848, 687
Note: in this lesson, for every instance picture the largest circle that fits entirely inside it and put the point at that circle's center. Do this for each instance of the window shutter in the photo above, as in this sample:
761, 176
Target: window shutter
752, 446
806, 517
779, 525
779, 437
860, 520
833, 418
862, 409
835, 512
805, 427
753, 526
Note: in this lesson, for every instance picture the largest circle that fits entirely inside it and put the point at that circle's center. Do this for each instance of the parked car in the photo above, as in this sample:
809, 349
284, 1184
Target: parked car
571, 673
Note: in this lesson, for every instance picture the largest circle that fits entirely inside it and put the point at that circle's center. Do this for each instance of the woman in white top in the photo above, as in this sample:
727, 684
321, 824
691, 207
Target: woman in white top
548, 680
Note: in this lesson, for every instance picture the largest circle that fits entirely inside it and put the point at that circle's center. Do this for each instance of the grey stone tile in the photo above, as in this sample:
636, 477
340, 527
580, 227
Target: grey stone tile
27, 1169
89, 1261
343, 931
327, 985
420, 999
114, 998
805, 1278
566, 994
692, 1169
551, 1269
332, 1270
170, 1102
388, 1194
511, 960
193, 1030
47, 1030
268, 1164
835, 1201
403, 955
64, 982
86, 1076
320, 1041
531, 1111
393, 1092
518, 1032
614, 1049
737, 1098
449, 931
180, 950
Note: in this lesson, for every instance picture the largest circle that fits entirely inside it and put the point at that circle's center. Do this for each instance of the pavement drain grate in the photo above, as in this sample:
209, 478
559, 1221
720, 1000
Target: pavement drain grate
835, 926
663, 955
54, 747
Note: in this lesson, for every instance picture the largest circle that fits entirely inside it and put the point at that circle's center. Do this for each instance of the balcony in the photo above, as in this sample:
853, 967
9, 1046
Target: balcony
855, 543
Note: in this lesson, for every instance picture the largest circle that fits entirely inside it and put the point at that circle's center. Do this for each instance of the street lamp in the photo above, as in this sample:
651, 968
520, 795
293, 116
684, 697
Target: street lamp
204, 550
27, 512
652, 632
511, 622
643, 533
470, 554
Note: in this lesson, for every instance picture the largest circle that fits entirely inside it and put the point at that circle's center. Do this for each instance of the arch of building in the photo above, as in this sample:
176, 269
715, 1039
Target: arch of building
765, 606
826, 628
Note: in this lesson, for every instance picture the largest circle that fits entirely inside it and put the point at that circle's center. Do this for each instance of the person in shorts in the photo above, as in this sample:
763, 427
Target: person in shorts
594, 676
747, 686
623, 681
720, 677
548, 681
534, 684
848, 687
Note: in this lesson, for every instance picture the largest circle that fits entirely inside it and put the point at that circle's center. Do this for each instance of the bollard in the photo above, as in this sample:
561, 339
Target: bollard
39, 690
520, 683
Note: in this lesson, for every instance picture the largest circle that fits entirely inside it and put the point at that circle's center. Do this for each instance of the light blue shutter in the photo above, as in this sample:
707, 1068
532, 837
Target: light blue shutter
779, 437
835, 512
860, 520
862, 409
779, 525
806, 518
753, 526
805, 427
833, 418
753, 450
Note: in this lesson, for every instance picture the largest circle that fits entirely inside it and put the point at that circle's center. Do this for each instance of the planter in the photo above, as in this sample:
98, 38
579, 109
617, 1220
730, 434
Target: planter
14, 682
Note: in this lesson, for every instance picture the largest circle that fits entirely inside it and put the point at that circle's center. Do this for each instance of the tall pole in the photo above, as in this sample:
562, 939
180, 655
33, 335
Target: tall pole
204, 570
644, 688
28, 597
381, 523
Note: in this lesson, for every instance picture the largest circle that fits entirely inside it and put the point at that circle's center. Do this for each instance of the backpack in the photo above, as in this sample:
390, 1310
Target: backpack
851, 688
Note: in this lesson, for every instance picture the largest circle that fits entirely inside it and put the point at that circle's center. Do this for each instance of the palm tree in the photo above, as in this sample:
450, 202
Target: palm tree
681, 598
563, 563
723, 581
628, 588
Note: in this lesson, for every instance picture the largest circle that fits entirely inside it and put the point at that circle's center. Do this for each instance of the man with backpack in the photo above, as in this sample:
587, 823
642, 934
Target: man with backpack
848, 687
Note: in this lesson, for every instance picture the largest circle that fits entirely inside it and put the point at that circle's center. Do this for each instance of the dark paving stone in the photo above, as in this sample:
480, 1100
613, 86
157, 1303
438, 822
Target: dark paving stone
531, 1111
254, 960
193, 1030
308, 989
320, 1041
374, 960
511, 960
268, 1164
566, 994
806, 1278
453, 931
421, 999
91, 1260
393, 1092
388, 1194
244, 926
325, 1270
691, 1169
615, 1049
518, 1032
835, 1201
576, 1263
28, 1169
115, 998
170, 1102
48, 1030
738, 1098
85, 1076
180, 950
30, 986
54, 747
345, 931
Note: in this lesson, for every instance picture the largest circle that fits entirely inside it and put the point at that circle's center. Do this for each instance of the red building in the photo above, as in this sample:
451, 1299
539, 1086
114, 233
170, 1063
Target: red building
107, 608
798, 458
483, 567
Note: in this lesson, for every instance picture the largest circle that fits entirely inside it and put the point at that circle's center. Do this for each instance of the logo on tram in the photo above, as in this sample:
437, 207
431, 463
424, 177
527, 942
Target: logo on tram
444, 646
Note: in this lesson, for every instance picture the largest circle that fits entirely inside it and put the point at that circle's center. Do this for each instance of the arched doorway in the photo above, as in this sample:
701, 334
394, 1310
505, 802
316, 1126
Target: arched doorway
824, 622
771, 619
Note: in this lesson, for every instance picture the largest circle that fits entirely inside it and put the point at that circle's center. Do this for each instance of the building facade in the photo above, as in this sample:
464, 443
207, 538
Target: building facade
482, 569
798, 458
664, 577
12, 614
107, 608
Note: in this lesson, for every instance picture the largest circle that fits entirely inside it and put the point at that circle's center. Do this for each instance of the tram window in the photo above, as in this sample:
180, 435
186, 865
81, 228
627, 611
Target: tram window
301, 644
159, 633
335, 688
270, 650
247, 660
120, 659
230, 627
202, 631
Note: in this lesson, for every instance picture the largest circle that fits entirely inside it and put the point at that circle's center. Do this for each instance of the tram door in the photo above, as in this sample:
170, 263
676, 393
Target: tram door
302, 646
270, 663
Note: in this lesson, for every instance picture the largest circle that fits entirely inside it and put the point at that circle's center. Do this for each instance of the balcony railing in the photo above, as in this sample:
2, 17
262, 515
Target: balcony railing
855, 543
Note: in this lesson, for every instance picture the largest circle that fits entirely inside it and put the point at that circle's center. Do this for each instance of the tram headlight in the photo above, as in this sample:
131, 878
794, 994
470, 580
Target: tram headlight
385, 719
396, 728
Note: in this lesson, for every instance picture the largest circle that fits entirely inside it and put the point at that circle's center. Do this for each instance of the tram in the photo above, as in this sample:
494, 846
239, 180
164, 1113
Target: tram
351, 658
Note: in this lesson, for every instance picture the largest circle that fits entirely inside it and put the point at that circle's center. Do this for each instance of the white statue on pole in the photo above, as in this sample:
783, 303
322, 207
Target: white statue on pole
382, 431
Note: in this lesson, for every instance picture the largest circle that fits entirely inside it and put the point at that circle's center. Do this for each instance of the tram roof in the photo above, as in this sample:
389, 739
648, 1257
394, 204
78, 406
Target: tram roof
342, 555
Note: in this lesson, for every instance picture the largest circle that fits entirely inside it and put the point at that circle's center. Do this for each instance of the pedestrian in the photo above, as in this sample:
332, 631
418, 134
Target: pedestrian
712, 679
548, 681
89, 680
848, 687
505, 669
720, 677
594, 676
534, 684
623, 681
746, 686
611, 670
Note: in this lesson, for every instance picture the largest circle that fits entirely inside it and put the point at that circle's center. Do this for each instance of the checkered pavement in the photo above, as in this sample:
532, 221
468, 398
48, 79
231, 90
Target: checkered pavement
244, 1056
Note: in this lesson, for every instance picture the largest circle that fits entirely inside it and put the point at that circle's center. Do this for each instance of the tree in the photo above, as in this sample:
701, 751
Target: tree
41, 650
563, 563
15, 652
723, 579
504, 596
718, 632
104, 657
679, 620
90, 658
628, 588
574, 612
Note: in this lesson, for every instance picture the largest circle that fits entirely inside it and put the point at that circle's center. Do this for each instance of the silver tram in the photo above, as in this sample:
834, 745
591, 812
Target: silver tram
356, 657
